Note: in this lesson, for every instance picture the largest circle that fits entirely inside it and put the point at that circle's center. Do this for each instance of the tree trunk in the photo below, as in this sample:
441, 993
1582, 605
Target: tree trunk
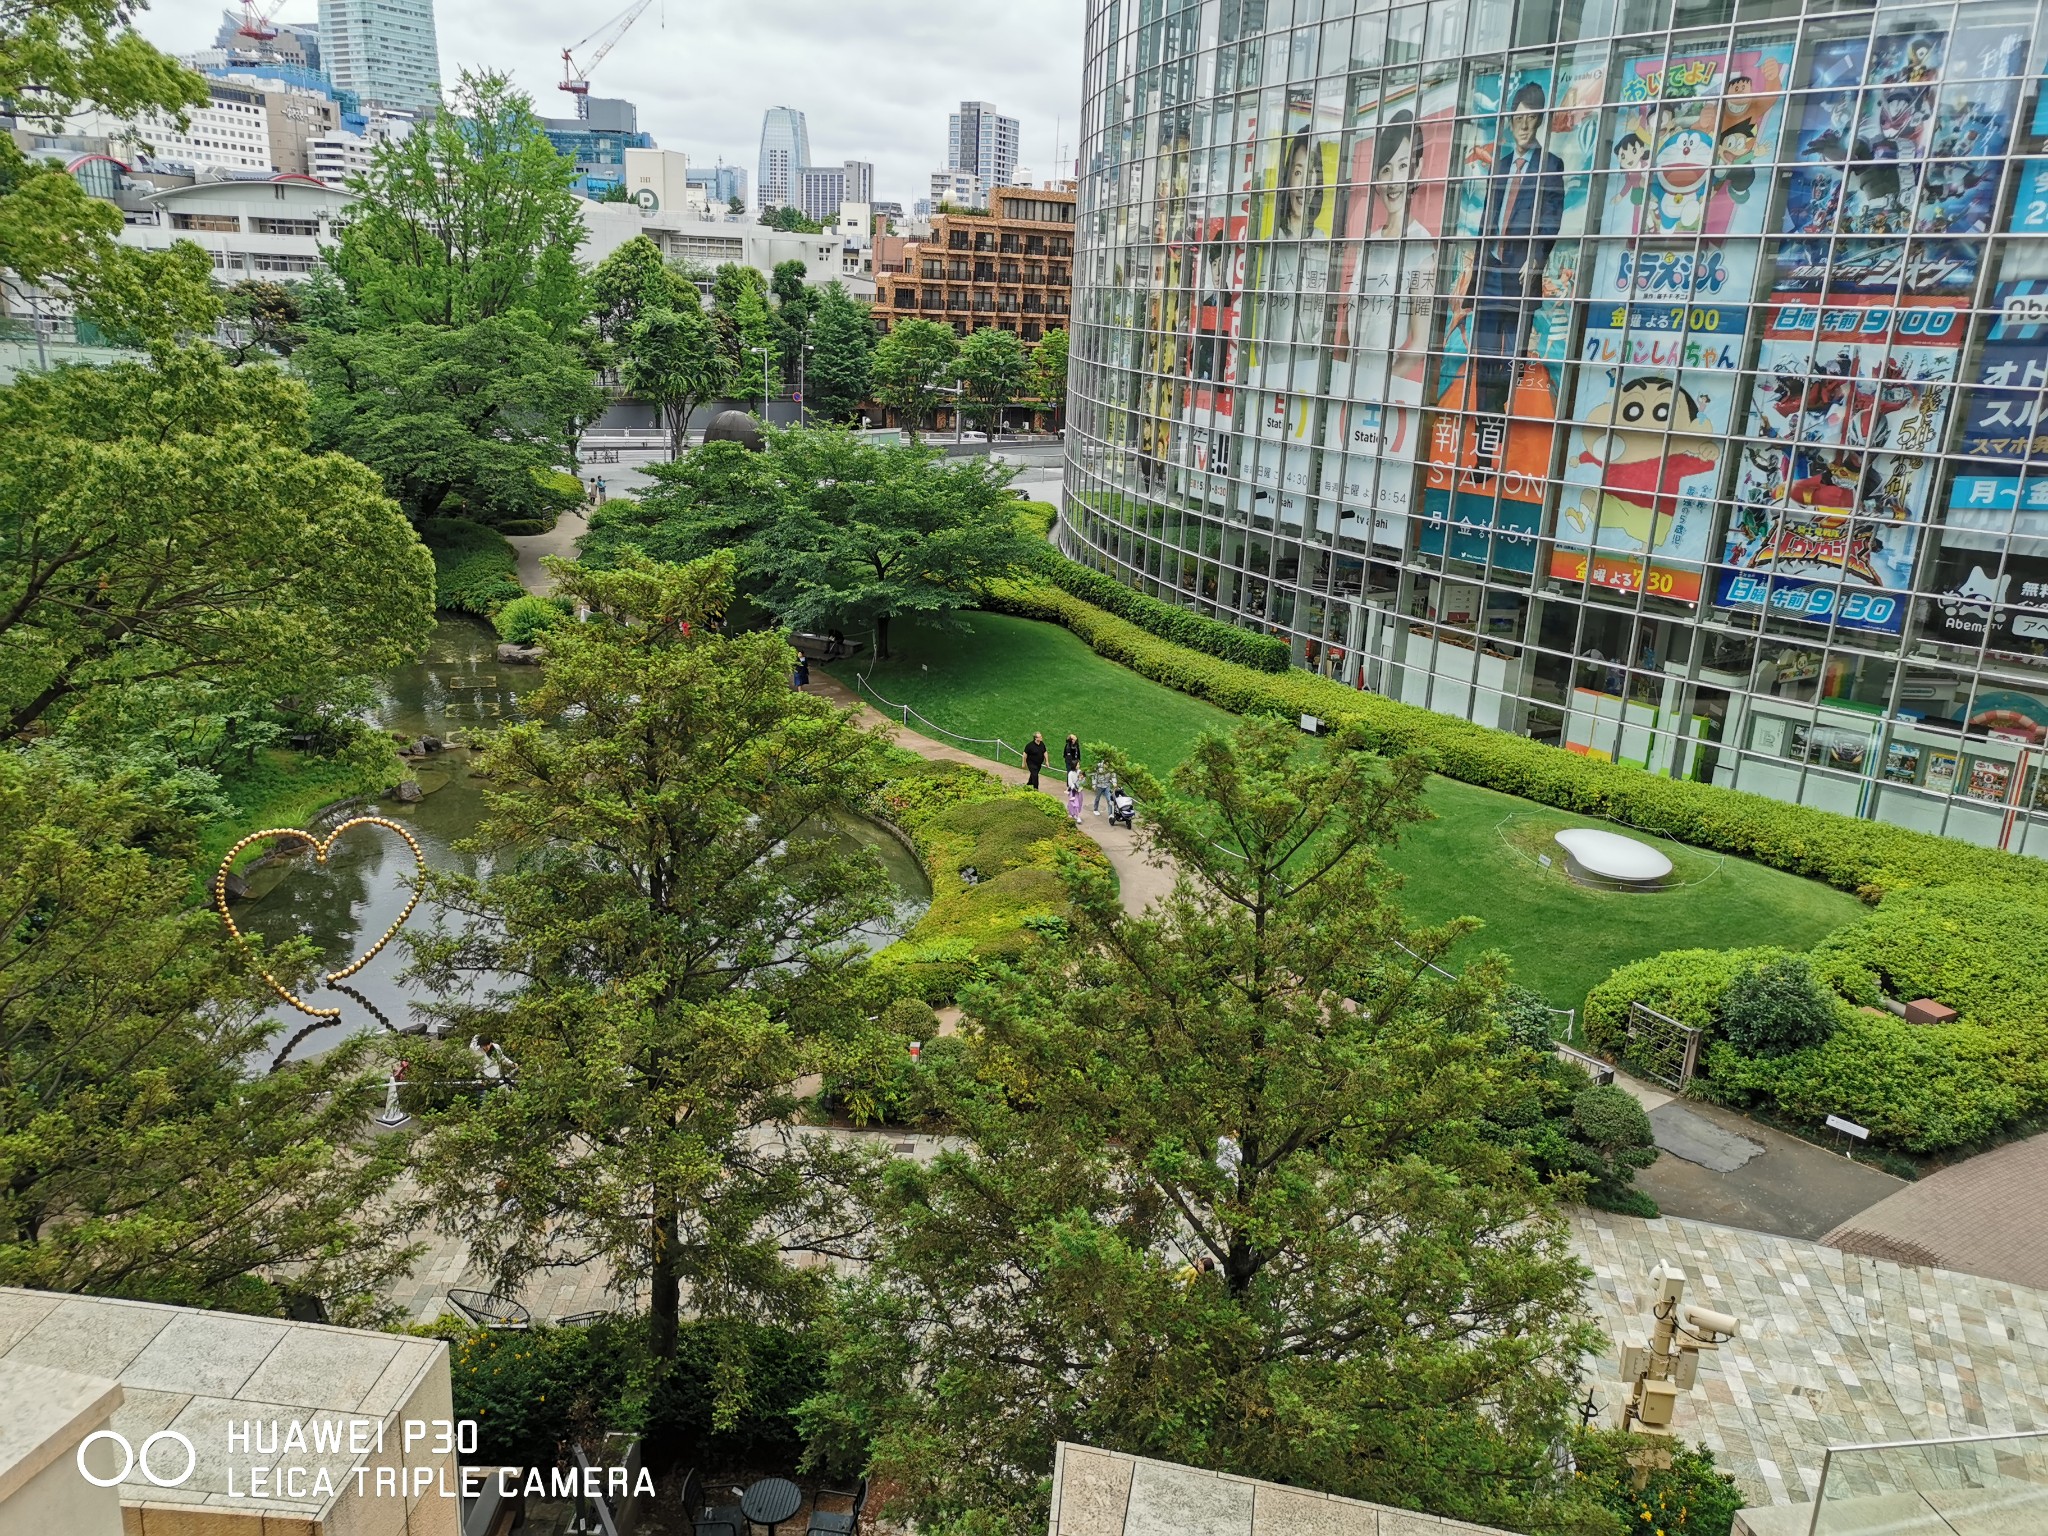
881, 637
664, 1289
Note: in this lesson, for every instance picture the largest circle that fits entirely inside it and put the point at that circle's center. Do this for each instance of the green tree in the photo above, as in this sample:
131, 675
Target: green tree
163, 525
735, 205
1049, 373
1776, 1007
59, 57
469, 421
757, 339
265, 319
1260, 1072
825, 527
672, 361
669, 946
993, 365
630, 283
790, 221
469, 217
139, 1155
912, 363
842, 347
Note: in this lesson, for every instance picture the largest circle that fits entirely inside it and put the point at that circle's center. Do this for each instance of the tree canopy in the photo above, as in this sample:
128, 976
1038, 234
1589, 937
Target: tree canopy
828, 528
993, 366
163, 524
467, 421
469, 217
912, 364
138, 1154
1049, 371
1231, 1193
672, 362
630, 283
842, 350
665, 945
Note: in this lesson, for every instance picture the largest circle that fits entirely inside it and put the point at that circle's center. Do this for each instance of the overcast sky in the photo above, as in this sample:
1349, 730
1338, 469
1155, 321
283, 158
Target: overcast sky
875, 78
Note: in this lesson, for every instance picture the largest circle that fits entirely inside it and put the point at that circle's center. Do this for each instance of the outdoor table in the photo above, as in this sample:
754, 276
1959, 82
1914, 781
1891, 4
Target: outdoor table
771, 1501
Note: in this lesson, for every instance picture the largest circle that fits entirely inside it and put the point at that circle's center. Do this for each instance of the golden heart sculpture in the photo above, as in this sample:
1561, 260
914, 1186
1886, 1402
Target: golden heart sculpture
320, 847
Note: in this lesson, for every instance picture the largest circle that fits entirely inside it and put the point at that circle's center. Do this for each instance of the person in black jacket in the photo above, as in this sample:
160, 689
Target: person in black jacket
1034, 756
1073, 754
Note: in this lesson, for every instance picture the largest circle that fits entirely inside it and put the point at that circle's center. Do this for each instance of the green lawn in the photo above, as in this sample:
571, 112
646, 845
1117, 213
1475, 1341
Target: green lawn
1479, 858
1010, 677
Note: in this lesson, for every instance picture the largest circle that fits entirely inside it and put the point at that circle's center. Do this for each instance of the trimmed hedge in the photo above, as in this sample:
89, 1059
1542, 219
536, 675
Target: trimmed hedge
1986, 956
958, 816
475, 570
1867, 857
1180, 626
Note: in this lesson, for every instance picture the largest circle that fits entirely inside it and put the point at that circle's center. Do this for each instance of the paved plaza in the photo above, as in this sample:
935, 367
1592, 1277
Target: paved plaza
1987, 1216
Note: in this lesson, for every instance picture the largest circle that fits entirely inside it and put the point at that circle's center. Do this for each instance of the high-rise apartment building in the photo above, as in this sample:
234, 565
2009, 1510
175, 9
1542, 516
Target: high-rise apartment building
383, 50
822, 188
785, 150
1662, 381
982, 142
1007, 268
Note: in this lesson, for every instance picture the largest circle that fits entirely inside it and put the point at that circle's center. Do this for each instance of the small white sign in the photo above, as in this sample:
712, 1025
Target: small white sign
1848, 1127
1311, 724
1543, 859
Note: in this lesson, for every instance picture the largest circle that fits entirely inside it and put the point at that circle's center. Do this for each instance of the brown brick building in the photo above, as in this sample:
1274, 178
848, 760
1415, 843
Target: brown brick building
1010, 268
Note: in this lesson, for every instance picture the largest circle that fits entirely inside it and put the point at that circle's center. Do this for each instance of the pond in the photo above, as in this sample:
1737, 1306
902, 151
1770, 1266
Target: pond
456, 692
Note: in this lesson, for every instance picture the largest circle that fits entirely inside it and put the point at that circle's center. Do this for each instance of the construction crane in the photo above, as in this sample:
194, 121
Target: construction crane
577, 81
258, 21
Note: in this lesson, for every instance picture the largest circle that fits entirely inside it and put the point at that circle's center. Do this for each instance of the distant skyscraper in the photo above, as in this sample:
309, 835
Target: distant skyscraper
383, 50
982, 142
785, 150
721, 183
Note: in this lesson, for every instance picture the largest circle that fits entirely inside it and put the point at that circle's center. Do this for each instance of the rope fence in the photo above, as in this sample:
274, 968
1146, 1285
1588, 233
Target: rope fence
906, 714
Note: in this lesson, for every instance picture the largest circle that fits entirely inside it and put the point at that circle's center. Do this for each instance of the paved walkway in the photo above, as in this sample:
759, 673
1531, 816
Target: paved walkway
558, 540
1985, 1216
1141, 880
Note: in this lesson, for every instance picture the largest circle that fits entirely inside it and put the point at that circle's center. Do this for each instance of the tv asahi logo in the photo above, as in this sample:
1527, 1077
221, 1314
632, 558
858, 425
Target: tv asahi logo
132, 1458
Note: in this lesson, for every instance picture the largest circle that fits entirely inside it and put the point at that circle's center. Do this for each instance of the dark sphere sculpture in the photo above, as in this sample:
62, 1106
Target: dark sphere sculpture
735, 427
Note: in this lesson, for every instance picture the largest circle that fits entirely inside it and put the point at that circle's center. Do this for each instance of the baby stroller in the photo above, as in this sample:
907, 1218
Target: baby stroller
1123, 810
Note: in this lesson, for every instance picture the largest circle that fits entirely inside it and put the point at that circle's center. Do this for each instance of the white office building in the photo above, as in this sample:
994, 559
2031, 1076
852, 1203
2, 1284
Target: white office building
383, 50
958, 189
822, 188
785, 150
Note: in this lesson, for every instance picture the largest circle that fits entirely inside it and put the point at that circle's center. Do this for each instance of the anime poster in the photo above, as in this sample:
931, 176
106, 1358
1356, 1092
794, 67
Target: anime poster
1494, 396
1400, 168
1973, 118
2030, 207
1654, 405
1850, 400
1218, 284
1693, 140
2003, 416
1879, 269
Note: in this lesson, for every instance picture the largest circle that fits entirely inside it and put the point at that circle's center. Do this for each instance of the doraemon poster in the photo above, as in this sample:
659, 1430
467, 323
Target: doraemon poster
1693, 141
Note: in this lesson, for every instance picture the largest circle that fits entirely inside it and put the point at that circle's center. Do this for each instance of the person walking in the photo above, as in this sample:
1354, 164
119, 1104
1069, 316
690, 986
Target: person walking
800, 677
1103, 782
1072, 754
1074, 795
1034, 757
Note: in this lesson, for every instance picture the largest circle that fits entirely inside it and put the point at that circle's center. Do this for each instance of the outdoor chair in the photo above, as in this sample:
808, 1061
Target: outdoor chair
710, 1520
490, 1309
825, 1522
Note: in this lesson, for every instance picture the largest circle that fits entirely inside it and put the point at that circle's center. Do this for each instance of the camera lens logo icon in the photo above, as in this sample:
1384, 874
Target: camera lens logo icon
131, 1458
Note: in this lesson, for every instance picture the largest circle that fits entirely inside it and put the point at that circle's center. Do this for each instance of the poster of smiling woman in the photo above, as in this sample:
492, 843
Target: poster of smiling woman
1693, 140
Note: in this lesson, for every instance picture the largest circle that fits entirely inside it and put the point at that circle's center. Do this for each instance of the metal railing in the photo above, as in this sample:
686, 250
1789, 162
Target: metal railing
1943, 1487
906, 714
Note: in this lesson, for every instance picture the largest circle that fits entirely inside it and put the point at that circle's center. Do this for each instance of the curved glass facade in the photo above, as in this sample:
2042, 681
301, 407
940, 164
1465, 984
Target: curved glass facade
1657, 378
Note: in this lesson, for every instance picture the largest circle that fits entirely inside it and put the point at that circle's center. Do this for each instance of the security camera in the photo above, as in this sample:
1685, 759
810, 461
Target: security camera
1704, 1320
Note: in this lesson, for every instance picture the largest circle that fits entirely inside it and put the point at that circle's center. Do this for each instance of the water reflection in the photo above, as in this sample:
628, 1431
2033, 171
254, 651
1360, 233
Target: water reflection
456, 692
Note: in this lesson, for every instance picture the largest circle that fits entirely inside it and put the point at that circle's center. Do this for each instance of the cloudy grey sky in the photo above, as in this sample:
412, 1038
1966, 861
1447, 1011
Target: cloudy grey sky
875, 78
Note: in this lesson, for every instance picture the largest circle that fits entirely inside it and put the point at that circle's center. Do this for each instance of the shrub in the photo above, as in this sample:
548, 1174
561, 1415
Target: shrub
475, 570
533, 1393
1689, 1498
1774, 1007
1686, 984
1985, 954
1526, 1017
1868, 857
1178, 626
1920, 1088
524, 527
525, 619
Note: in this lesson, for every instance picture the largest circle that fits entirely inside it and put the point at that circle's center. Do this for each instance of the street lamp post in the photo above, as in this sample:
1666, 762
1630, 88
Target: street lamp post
959, 393
766, 387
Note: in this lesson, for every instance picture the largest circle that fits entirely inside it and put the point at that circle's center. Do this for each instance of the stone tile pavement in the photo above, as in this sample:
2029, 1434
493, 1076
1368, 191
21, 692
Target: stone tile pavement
1834, 1349
1985, 1216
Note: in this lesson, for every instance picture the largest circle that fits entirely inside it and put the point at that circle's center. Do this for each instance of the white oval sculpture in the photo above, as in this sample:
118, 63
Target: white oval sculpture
1611, 856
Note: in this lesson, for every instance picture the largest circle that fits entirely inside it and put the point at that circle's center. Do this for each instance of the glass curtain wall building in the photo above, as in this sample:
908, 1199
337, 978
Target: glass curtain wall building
1656, 378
